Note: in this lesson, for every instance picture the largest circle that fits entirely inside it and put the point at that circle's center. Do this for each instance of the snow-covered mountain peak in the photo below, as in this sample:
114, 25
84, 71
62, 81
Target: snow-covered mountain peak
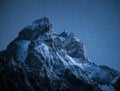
40, 24
36, 28
41, 60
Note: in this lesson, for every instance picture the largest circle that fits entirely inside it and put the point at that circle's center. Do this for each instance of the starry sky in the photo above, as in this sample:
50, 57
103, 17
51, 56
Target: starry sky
95, 22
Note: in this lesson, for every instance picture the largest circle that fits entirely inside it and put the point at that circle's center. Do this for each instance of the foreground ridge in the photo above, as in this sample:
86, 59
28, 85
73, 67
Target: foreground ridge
39, 59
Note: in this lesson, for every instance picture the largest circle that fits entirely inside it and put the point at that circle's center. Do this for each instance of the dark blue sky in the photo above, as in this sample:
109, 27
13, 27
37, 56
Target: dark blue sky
95, 22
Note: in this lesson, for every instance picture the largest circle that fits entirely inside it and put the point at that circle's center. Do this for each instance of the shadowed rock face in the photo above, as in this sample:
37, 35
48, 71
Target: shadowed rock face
41, 60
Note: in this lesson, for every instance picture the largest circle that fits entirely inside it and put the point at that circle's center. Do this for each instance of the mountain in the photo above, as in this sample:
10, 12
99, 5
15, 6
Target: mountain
39, 59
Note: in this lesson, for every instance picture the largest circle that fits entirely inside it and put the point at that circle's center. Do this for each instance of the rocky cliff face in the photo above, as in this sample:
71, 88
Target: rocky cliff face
41, 60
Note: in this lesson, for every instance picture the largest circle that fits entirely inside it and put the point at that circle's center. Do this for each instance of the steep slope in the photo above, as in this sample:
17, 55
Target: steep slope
41, 60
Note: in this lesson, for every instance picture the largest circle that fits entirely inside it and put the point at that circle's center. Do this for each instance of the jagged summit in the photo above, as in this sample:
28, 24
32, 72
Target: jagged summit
41, 60
41, 31
36, 28
64, 34
42, 24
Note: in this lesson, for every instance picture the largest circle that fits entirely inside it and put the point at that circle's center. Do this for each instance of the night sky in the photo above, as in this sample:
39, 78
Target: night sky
95, 22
